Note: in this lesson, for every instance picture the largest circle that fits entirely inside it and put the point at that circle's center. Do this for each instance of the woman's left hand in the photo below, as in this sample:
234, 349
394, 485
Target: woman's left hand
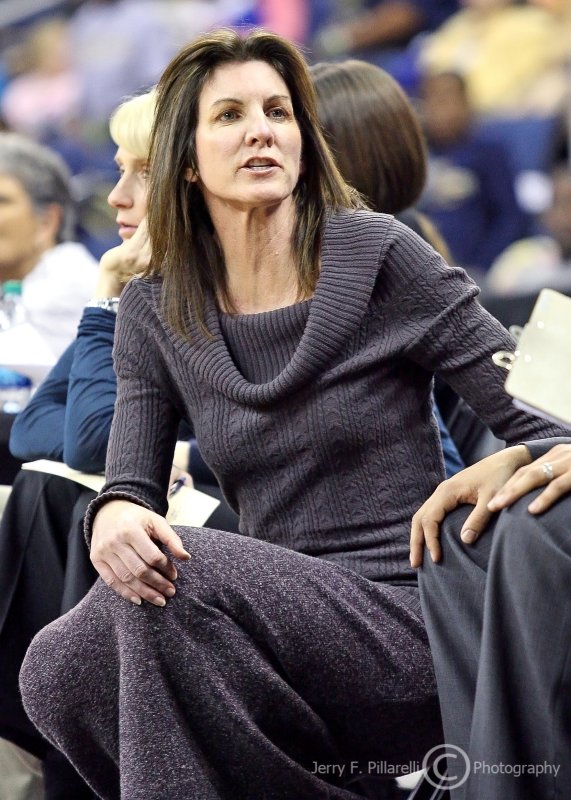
534, 475
121, 263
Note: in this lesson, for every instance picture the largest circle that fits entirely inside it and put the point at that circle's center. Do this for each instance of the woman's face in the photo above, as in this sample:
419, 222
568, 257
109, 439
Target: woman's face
23, 232
129, 195
248, 142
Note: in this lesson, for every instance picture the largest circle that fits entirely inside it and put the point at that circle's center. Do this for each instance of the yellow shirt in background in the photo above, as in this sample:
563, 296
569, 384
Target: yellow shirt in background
513, 58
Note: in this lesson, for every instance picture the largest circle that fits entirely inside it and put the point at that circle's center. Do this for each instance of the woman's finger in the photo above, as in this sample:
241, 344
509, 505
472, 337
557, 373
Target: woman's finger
425, 526
557, 488
523, 481
476, 522
416, 543
119, 578
114, 583
129, 567
147, 550
163, 532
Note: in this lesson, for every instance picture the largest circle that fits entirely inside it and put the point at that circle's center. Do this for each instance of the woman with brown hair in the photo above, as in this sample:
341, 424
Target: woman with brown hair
299, 333
373, 131
375, 135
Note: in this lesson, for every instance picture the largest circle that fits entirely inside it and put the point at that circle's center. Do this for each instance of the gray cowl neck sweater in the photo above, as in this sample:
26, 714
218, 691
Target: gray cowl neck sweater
316, 418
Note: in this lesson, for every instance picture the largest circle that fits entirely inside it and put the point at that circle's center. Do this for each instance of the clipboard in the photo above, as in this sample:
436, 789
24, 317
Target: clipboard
539, 377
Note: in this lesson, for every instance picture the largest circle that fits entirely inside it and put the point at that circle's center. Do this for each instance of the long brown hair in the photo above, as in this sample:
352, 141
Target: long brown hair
373, 131
185, 251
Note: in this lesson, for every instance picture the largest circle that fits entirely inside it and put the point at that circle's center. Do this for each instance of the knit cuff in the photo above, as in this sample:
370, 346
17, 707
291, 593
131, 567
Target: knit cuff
100, 501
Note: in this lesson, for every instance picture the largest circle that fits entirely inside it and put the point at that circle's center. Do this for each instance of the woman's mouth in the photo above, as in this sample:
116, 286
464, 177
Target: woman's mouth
126, 230
260, 164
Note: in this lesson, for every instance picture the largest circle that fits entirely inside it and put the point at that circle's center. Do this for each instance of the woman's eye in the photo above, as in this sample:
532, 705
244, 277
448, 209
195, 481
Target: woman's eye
144, 173
228, 115
277, 113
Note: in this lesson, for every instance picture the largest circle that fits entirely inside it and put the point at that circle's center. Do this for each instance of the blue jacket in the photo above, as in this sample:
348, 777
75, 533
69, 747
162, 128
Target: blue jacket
69, 417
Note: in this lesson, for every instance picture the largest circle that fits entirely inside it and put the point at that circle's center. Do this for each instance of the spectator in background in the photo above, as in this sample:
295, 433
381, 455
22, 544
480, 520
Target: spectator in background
383, 156
470, 191
543, 260
187, 19
384, 25
289, 19
511, 55
45, 96
36, 229
119, 47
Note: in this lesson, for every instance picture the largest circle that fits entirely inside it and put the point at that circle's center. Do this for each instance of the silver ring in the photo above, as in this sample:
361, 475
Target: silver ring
547, 470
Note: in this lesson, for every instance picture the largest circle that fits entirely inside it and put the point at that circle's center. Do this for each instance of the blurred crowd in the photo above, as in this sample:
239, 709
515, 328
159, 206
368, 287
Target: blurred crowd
490, 80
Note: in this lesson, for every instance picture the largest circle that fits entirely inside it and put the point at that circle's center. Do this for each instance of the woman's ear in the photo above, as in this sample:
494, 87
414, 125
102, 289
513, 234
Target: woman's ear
191, 175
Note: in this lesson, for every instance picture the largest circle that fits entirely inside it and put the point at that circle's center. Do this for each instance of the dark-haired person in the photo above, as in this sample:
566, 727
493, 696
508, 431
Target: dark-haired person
470, 192
375, 136
300, 333
381, 26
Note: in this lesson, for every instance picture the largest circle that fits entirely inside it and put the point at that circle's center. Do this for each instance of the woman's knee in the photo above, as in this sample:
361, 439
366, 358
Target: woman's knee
460, 563
67, 654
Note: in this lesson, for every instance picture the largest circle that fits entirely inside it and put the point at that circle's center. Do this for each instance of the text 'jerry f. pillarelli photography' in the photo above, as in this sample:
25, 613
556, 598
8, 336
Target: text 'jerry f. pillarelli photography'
450, 768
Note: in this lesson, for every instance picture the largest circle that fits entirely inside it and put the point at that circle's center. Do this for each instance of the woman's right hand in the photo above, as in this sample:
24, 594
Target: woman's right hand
125, 553
476, 485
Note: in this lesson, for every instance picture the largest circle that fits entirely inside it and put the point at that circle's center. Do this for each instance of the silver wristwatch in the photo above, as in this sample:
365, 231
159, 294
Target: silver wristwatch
106, 303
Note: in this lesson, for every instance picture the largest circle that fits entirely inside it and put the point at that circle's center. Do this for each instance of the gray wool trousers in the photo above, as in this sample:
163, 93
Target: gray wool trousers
270, 675
498, 616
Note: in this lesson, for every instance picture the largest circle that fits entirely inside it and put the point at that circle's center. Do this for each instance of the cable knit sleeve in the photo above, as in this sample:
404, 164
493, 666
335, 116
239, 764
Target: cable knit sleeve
145, 422
434, 309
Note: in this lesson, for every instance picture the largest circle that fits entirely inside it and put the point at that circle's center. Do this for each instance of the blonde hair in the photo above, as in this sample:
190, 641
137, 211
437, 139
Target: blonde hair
131, 124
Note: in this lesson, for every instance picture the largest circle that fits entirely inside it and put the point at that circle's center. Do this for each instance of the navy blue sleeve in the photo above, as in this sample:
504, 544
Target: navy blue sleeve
37, 431
452, 460
92, 392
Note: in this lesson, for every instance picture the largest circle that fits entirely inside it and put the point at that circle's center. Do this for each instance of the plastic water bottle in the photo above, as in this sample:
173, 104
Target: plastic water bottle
13, 310
15, 389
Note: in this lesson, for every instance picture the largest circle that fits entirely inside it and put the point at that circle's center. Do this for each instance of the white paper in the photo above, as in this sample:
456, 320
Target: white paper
538, 378
187, 507
92, 481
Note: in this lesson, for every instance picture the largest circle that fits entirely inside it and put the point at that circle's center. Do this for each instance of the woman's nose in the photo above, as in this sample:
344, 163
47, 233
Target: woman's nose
119, 197
259, 130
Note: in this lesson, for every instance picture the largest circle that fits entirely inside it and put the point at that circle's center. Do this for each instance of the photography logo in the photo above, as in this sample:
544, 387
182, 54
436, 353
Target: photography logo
450, 766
